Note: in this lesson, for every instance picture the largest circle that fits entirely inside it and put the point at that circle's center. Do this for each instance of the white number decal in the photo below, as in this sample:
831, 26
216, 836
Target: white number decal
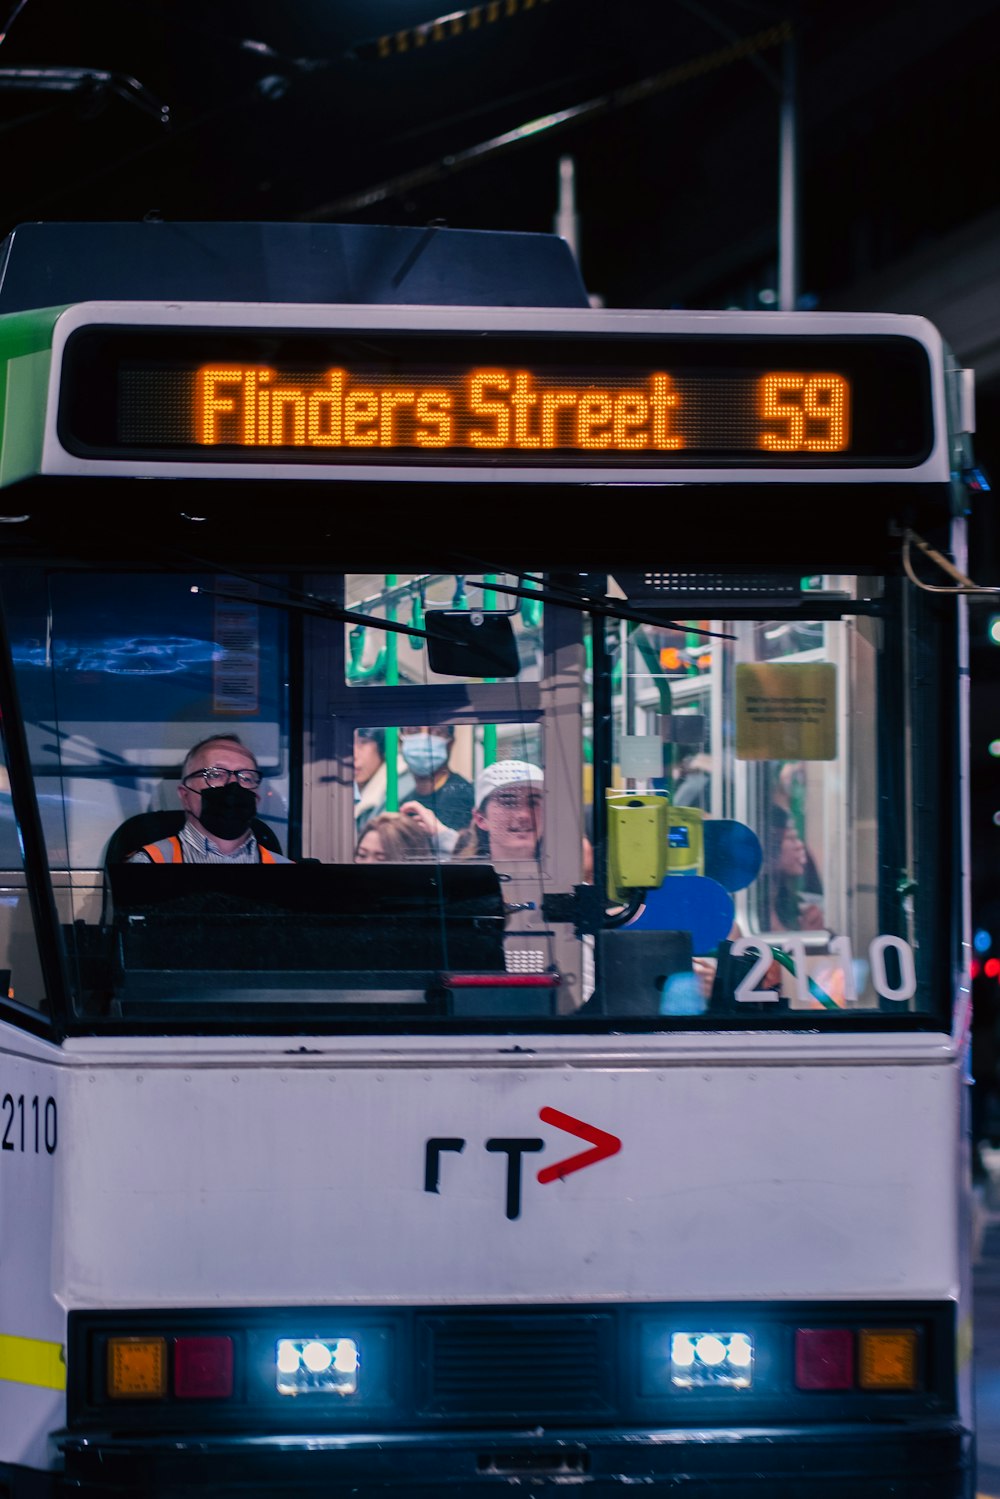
745, 989
841, 948
907, 986
797, 949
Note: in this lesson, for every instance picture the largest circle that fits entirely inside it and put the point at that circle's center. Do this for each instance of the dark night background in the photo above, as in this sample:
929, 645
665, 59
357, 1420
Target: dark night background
236, 109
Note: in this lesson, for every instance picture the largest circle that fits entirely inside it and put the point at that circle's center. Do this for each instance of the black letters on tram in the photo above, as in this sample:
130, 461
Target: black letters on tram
30, 1124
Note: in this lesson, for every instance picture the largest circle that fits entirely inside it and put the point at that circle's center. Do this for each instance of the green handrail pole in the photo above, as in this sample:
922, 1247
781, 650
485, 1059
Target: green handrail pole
489, 729
391, 680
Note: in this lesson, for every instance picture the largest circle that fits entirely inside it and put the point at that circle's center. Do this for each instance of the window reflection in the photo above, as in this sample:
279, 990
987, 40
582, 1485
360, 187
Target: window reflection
791, 883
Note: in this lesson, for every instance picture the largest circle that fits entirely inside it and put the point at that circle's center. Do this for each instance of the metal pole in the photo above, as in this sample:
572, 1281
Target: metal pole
567, 220
788, 207
603, 742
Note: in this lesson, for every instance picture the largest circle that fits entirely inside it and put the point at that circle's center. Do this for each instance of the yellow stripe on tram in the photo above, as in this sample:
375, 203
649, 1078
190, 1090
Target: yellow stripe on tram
32, 1361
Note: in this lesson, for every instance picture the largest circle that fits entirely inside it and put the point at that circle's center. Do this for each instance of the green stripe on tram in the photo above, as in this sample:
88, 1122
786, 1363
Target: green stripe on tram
25, 357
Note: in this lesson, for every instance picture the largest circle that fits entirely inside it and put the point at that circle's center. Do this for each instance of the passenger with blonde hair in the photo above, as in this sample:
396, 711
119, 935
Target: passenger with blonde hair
392, 838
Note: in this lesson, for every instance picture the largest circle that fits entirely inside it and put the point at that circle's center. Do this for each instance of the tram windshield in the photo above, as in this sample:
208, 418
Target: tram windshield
655, 815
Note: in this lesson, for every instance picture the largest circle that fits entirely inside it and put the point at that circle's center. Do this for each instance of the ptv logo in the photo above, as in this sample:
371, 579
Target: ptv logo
515, 1149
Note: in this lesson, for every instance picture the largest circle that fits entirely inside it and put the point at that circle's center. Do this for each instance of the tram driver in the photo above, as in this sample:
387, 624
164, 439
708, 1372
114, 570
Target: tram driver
220, 793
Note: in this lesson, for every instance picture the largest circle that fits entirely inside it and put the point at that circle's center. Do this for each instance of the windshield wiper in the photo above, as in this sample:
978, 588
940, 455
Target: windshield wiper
320, 608
554, 594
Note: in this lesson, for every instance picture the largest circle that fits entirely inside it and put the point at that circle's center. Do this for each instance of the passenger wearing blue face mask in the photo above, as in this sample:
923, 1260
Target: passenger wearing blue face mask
427, 748
371, 778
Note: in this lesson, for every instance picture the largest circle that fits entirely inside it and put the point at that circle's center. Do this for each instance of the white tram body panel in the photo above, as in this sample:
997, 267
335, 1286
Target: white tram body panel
198, 1176
302, 1178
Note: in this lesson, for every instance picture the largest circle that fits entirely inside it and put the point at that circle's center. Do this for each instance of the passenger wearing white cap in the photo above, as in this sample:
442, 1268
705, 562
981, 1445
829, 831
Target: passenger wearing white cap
508, 819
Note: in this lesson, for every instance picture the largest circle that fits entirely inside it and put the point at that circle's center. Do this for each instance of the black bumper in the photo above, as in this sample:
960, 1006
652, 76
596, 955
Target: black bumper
853, 1462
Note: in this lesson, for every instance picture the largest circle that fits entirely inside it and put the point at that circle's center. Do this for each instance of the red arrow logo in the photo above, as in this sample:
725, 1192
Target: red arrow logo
603, 1144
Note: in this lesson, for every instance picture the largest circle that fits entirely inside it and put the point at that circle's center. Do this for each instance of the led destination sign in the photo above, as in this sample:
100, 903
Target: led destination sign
334, 398
515, 411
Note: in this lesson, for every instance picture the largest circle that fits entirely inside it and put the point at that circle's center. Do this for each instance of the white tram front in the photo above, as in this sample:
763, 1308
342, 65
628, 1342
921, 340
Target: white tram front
557, 1076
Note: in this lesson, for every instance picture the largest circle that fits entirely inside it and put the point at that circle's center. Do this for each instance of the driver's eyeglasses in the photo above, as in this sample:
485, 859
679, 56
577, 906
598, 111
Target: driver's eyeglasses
218, 775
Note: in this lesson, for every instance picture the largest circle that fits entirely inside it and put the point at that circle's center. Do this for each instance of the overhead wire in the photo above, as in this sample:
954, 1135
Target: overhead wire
15, 12
577, 114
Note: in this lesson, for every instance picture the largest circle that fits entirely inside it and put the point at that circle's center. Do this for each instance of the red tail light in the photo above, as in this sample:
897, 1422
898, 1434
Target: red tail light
824, 1358
203, 1368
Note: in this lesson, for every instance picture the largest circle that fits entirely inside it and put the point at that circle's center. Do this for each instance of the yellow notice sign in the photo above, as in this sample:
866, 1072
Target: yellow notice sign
786, 711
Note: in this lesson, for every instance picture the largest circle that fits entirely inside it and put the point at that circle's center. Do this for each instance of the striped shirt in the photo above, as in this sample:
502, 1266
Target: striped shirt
198, 849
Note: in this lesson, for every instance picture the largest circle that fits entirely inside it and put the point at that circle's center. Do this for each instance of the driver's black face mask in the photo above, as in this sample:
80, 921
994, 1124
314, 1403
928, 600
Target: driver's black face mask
227, 811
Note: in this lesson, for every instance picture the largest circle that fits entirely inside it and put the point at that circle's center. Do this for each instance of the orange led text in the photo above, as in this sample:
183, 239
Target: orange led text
804, 413
252, 406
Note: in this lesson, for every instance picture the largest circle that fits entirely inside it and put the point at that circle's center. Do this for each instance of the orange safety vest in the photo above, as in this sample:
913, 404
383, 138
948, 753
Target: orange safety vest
177, 855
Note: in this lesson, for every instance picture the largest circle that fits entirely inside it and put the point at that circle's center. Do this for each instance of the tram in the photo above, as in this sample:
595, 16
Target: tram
546, 1062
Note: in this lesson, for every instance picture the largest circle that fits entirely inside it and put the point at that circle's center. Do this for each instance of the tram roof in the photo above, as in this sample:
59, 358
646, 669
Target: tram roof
49, 265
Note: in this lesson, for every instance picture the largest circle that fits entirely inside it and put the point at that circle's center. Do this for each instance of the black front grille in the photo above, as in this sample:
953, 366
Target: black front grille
514, 1365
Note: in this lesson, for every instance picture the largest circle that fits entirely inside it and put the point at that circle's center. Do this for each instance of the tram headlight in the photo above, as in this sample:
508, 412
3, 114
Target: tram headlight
317, 1366
711, 1360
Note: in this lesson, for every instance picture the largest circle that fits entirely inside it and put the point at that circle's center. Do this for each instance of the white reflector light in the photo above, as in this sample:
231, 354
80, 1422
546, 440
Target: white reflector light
317, 1366
711, 1360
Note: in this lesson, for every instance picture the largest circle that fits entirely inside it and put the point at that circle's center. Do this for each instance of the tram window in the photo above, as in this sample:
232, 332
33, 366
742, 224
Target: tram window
794, 768
777, 640
20, 971
791, 753
663, 735
377, 658
443, 798
119, 674
729, 732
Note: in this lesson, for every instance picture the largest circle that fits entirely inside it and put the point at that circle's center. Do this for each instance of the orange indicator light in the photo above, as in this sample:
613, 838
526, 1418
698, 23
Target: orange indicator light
887, 1359
137, 1368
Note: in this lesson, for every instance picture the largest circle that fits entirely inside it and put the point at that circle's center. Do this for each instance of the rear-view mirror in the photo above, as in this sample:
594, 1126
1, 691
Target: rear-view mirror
471, 643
